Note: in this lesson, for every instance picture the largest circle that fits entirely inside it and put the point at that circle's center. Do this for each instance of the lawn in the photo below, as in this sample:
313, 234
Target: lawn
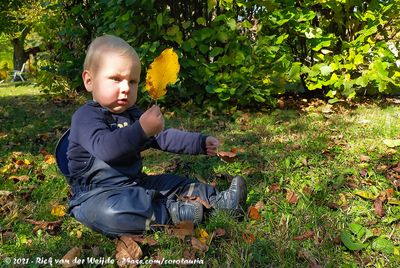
322, 183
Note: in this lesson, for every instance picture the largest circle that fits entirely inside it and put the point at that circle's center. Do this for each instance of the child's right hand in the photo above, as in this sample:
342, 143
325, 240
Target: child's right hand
152, 121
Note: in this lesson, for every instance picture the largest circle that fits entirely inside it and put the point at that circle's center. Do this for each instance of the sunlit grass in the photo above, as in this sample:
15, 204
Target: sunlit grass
314, 154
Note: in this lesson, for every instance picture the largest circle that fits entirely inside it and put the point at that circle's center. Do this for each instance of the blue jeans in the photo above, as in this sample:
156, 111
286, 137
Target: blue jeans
133, 209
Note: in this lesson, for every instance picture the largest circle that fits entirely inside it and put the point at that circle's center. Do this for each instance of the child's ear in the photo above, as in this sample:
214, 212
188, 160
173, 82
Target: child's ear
87, 80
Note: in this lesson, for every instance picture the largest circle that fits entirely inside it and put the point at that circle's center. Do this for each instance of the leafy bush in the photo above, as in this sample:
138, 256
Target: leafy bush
244, 51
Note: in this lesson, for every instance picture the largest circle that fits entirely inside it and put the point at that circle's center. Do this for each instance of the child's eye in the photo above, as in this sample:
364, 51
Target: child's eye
132, 82
116, 79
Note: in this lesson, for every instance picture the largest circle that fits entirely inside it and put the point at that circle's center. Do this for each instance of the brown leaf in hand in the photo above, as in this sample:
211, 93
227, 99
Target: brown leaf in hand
68, 259
127, 250
291, 197
197, 244
228, 156
253, 213
306, 235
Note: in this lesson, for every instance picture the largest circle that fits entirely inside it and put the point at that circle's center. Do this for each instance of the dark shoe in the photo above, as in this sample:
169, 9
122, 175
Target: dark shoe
234, 197
185, 211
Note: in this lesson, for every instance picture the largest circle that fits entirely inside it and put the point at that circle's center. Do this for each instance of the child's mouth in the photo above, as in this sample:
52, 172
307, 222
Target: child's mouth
122, 102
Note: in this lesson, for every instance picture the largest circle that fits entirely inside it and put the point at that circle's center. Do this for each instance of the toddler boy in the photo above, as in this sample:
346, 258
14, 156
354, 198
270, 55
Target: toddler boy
111, 194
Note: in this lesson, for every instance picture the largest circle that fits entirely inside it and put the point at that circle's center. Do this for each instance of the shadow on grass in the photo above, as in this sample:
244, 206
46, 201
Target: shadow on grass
30, 123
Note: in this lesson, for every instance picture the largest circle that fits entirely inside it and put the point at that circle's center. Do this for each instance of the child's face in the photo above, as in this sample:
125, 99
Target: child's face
114, 84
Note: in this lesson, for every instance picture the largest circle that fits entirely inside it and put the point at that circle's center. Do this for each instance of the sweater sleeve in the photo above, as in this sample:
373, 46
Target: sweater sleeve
180, 142
89, 129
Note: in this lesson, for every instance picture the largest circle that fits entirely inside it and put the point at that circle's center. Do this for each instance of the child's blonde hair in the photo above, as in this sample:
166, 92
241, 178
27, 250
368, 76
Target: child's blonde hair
103, 44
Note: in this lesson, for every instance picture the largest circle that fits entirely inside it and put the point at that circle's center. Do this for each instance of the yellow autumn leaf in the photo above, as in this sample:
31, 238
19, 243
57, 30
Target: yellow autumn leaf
163, 71
7, 168
201, 234
58, 210
49, 159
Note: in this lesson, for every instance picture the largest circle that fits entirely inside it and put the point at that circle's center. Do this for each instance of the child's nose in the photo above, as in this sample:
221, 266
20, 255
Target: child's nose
124, 86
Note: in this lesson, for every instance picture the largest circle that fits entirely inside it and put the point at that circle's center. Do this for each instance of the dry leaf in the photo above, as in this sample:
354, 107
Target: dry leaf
19, 178
52, 227
291, 197
274, 188
228, 156
365, 158
259, 205
127, 251
306, 235
68, 259
140, 239
197, 244
49, 159
182, 229
249, 238
378, 204
253, 213
305, 255
201, 234
58, 210
162, 72
219, 232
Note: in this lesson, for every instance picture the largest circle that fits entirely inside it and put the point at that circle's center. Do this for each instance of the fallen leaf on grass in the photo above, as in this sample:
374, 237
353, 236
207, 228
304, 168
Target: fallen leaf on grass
307, 256
68, 259
219, 232
49, 159
378, 204
228, 156
140, 239
366, 195
197, 244
182, 229
364, 172
391, 143
253, 213
249, 238
259, 205
127, 251
58, 210
291, 197
364, 158
306, 235
274, 188
19, 178
189, 255
201, 234
52, 227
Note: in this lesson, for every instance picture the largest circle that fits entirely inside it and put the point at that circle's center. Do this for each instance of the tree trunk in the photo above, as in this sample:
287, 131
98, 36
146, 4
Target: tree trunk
20, 56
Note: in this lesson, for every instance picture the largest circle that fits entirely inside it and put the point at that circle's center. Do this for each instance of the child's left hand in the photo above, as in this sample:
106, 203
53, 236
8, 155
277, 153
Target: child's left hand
212, 144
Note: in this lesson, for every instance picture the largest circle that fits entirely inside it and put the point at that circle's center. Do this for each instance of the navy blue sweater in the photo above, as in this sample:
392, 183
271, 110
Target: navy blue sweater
118, 139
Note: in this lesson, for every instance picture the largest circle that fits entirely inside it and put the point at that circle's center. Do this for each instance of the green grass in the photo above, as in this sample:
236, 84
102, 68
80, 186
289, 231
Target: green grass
314, 154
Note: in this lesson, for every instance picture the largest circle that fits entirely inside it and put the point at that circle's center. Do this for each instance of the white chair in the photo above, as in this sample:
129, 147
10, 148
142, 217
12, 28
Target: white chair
19, 73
